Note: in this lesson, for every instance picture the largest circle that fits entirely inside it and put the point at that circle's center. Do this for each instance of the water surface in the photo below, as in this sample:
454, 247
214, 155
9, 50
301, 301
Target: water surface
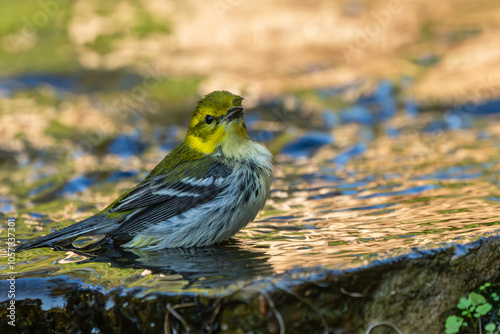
367, 181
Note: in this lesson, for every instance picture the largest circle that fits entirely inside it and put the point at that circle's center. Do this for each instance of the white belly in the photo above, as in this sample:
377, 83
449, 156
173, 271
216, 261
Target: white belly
211, 223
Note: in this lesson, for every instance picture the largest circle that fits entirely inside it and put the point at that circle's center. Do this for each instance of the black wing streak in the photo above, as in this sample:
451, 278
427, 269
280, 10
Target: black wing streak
150, 186
170, 207
158, 208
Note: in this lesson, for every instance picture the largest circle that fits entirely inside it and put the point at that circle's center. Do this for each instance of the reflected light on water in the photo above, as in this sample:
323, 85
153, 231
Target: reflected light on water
340, 206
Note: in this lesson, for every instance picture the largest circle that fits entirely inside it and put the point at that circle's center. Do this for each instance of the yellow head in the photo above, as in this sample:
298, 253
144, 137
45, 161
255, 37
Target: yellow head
216, 121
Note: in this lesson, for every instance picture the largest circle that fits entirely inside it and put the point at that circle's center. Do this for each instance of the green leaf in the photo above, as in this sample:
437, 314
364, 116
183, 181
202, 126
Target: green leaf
464, 304
490, 327
453, 324
476, 299
483, 309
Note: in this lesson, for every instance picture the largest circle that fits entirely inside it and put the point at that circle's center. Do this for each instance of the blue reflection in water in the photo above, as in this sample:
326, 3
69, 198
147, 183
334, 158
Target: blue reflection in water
126, 145
350, 152
455, 172
307, 144
409, 191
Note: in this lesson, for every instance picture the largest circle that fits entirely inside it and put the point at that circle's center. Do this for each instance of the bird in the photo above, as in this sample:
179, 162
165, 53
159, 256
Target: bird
204, 191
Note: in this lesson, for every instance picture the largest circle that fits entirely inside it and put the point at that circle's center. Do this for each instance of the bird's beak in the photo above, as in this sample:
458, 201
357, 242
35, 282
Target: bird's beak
234, 113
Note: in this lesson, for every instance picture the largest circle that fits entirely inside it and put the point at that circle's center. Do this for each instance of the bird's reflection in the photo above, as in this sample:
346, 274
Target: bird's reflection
210, 267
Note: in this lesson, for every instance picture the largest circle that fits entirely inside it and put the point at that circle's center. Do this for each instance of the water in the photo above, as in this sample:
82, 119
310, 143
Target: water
355, 184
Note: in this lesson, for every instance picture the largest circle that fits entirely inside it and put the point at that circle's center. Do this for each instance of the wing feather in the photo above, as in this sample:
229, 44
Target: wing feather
162, 197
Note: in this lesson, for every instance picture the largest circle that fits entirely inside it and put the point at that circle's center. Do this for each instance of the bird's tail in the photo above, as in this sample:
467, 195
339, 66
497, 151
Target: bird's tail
65, 236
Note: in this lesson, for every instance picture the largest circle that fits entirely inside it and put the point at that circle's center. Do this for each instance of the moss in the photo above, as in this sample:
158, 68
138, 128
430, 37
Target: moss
28, 23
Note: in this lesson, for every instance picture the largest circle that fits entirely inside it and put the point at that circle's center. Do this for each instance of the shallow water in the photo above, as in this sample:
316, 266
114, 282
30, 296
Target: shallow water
371, 180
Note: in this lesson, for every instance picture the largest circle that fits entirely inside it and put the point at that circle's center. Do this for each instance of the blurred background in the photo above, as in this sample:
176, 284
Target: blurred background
69, 69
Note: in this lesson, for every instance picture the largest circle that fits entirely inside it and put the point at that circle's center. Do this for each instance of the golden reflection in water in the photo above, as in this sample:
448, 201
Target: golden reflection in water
419, 189
409, 203
415, 190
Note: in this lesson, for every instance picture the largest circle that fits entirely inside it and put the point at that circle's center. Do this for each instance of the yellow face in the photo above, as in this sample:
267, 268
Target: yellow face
217, 119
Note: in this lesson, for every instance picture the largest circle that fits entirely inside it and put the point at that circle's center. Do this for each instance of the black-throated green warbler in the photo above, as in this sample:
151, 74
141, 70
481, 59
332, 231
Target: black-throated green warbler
206, 190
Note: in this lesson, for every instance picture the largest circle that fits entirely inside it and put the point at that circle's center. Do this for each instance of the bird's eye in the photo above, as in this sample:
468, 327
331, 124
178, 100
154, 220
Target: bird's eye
209, 119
